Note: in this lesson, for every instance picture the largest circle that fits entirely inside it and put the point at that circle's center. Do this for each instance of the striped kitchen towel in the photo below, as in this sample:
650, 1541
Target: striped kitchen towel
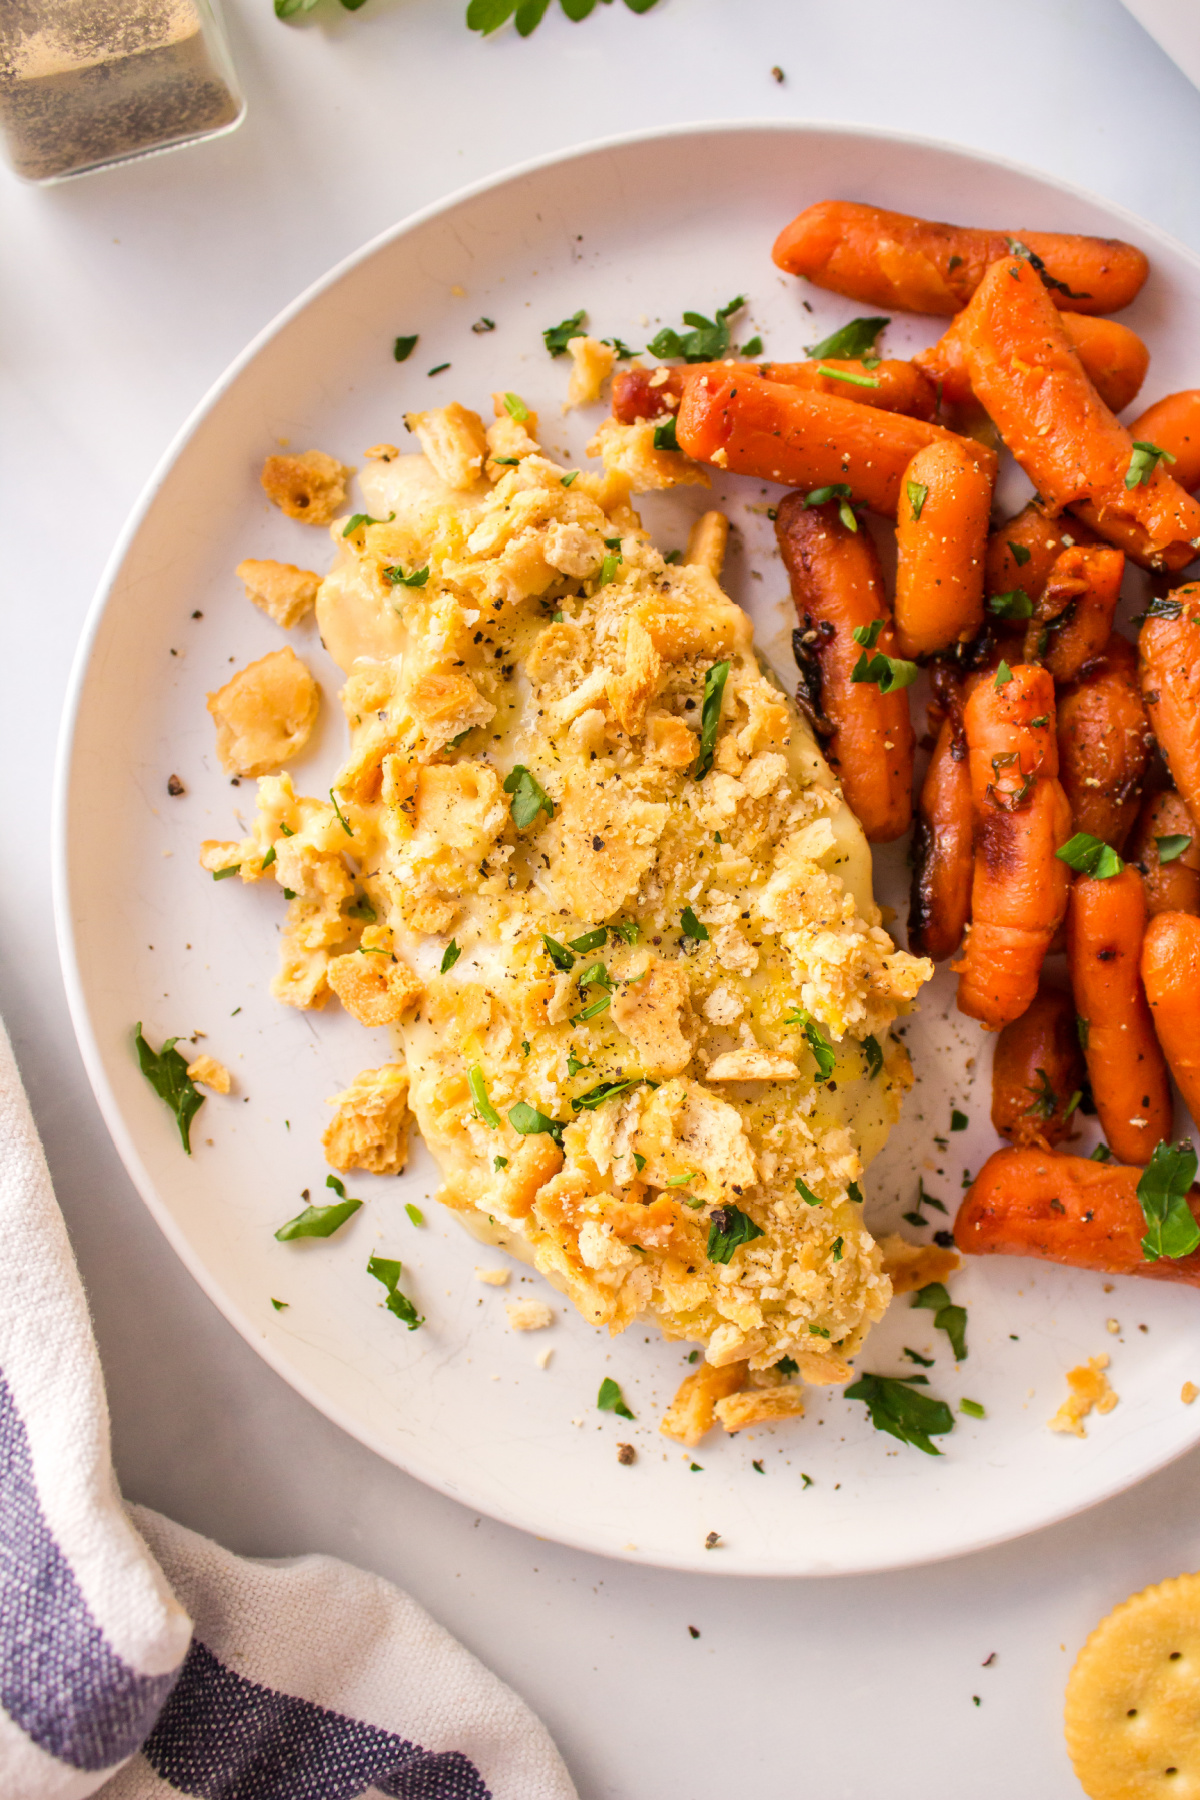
141, 1661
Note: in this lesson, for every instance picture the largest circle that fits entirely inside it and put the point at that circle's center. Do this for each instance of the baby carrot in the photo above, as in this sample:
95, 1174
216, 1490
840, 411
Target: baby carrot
943, 852
837, 586
1169, 668
1165, 848
749, 426
1171, 973
941, 539
1106, 921
1173, 424
890, 386
1022, 551
892, 259
1019, 887
1025, 371
1065, 1209
1038, 1072
1104, 744
1114, 359
1072, 620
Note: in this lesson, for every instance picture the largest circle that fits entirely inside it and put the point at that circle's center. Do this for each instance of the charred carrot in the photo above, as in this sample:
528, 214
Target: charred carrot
1065, 1209
1165, 848
1171, 973
1104, 744
1019, 887
941, 541
1026, 372
1022, 551
648, 393
1072, 621
1173, 424
1169, 669
1114, 359
837, 586
1038, 1072
1106, 921
749, 426
892, 259
943, 852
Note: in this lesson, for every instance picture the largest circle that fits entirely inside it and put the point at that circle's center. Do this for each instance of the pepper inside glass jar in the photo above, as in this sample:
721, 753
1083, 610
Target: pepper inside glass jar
84, 83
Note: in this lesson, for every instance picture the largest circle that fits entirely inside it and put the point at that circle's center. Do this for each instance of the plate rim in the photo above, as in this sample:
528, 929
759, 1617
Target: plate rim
73, 981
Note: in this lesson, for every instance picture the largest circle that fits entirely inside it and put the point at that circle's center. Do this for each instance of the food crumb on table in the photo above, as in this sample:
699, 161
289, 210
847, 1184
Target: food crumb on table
493, 1277
529, 1315
1188, 1392
1090, 1388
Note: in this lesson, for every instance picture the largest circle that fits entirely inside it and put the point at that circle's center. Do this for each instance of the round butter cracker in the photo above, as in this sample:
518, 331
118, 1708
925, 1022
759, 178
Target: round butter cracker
1133, 1698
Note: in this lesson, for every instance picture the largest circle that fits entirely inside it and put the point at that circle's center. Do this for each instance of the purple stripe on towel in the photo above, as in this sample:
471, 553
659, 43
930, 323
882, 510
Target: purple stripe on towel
61, 1680
222, 1737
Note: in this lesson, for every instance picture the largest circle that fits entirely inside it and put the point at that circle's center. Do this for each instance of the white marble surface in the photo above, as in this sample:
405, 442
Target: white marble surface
122, 296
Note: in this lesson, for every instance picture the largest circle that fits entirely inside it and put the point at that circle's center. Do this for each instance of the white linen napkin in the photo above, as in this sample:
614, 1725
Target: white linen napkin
141, 1661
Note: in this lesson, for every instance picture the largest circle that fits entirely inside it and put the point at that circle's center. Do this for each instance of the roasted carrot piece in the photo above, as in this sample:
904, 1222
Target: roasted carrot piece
1022, 551
890, 386
1173, 885
1114, 358
837, 585
892, 259
1173, 423
1169, 669
754, 427
1019, 887
1106, 921
943, 852
1026, 372
1171, 974
1072, 620
1104, 744
941, 540
1038, 1071
1065, 1209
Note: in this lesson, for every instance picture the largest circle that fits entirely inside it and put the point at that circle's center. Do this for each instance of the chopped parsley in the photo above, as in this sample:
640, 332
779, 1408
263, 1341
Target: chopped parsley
479, 1094
1020, 553
818, 1043
757, 1465
441, 367
885, 672
529, 797
708, 339
806, 1193
729, 1228
531, 1123
225, 873
610, 564
752, 347
341, 817
450, 956
847, 375
387, 1270
854, 342
566, 480
895, 1408
917, 493
972, 1408
593, 1011
596, 975
1088, 855
362, 909
946, 1317
1143, 462
1162, 1194
558, 953
665, 437
1016, 605
926, 1362
1101, 1153
610, 1399
1003, 676
167, 1072
395, 574
874, 1056
958, 1120
1017, 248
320, 1221
483, 325
279, 1305
591, 940
414, 1213
557, 337
837, 1249
1169, 848
691, 926
403, 347
357, 519
607, 1090
516, 408
839, 491
710, 718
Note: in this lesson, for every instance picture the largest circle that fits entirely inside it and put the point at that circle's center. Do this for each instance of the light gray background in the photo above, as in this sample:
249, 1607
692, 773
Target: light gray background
122, 297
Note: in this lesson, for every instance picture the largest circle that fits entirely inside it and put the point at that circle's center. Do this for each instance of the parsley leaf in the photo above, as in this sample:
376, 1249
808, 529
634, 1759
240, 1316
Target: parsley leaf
479, 1094
167, 1072
357, 519
610, 1399
395, 574
387, 1270
664, 435
607, 1090
529, 797
839, 491
850, 343
591, 940
946, 1317
225, 873
958, 1120
557, 337
972, 1408
1143, 462
806, 1193
1169, 848
818, 1043
896, 1409
752, 347
692, 927
531, 1123
918, 494
707, 341
403, 348
1020, 553
414, 1213
729, 1228
710, 717
516, 408
1162, 1193
558, 953
1088, 855
1016, 605
884, 672
926, 1362
450, 956
1003, 676
874, 1056
320, 1221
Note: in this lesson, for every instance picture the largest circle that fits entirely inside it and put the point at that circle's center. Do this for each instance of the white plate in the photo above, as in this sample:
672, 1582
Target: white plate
633, 230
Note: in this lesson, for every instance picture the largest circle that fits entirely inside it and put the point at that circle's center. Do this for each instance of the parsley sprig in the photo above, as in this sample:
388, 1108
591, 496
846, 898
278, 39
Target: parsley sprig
885, 672
896, 1409
1089, 855
707, 341
388, 1270
946, 1317
729, 1228
167, 1072
854, 342
1162, 1193
320, 1221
